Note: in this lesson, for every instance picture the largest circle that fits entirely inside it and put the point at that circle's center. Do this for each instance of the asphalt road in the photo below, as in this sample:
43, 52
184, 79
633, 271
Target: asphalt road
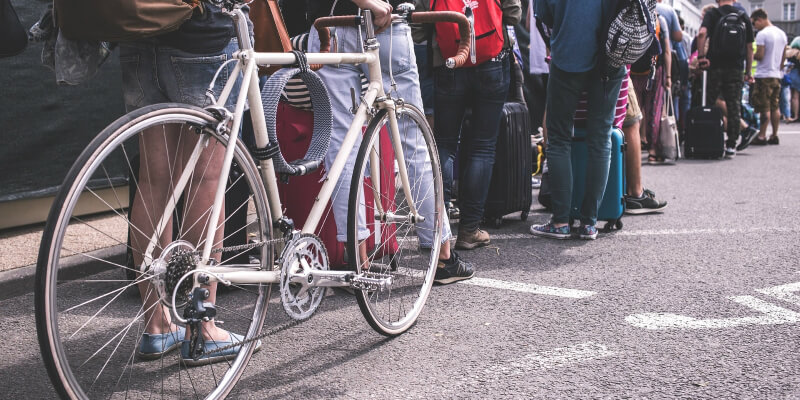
702, 301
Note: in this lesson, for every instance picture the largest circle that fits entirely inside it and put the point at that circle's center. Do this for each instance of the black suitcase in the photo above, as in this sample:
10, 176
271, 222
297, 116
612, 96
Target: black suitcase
510, 187
705, 135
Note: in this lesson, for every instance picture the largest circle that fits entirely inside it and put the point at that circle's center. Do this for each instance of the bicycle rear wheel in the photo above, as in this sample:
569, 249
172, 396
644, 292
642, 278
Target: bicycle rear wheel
89, 315
398, 247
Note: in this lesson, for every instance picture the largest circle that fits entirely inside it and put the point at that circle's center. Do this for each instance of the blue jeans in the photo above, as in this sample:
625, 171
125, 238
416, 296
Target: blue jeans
339, 79
161, 74
425, 76
483, 88
563, 91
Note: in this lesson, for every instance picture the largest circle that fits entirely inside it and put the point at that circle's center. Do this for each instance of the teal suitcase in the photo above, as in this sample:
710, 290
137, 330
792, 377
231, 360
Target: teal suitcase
612, 207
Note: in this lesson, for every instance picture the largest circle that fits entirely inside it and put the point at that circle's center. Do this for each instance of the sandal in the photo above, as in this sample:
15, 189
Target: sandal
655, 160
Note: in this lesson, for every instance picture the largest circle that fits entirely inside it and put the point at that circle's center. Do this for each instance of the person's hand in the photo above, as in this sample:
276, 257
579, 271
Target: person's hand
748, 78
668, 82
381, 12
703, 63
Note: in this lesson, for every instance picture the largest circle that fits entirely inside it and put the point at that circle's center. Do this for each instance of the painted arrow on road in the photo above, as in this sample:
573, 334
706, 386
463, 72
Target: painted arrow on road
770, 315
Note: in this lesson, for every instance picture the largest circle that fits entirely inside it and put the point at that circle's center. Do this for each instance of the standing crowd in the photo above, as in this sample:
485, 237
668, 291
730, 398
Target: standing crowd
569, 87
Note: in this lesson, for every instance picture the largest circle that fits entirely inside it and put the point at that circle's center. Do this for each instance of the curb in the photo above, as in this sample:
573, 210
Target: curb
20, 281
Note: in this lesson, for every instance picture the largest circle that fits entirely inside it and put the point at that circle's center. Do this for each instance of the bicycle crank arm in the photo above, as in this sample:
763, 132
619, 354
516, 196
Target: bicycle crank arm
365, 281
392, 217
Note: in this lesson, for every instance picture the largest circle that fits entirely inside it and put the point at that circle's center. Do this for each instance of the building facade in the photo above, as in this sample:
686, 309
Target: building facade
783, 13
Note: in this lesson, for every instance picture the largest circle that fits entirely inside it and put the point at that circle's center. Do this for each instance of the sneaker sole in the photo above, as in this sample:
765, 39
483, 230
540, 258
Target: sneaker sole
156, 356
452, 279
470, 246
189, 362
550, 235
588, 237
640, 211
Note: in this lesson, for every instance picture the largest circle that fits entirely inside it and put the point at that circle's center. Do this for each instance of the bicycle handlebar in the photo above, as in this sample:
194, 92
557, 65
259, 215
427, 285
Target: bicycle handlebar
427, 17
422, 17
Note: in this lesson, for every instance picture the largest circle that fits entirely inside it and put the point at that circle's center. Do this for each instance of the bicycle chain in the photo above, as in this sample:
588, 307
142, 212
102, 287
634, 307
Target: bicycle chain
248, 246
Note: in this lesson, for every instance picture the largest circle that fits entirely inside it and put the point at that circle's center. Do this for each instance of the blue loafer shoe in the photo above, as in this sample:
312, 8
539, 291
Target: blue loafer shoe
210, 347
154, 346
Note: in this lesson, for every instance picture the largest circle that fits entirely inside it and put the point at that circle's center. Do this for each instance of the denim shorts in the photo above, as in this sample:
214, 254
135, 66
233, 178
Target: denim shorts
160, 74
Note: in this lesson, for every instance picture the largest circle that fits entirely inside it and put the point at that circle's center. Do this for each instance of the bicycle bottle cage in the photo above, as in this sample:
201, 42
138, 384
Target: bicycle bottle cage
323, 118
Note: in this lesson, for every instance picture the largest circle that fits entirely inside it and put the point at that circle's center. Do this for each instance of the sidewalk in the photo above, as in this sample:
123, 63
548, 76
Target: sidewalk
20, 249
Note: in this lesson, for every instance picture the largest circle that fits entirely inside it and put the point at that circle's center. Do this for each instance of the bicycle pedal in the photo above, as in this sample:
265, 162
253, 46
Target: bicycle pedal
371, 281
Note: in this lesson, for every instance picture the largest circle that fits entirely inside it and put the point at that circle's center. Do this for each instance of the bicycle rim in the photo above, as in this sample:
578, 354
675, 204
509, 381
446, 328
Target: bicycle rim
89, 312
401, 249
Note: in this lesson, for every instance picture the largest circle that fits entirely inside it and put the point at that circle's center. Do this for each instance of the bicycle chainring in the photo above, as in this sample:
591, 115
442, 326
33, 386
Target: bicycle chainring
302, 254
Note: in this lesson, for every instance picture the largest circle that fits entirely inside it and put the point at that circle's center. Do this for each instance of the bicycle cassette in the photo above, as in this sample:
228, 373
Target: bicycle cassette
302, 254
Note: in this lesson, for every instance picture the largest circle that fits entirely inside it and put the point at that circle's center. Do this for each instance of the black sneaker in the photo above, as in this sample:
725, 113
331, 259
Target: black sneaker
644, 205
453, 270
748, 135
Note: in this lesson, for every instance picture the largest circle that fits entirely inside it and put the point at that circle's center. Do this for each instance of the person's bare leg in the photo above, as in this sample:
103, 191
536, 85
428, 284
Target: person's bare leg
795, 105
198, 201
775, 120
633, 160
765, 120
158, 152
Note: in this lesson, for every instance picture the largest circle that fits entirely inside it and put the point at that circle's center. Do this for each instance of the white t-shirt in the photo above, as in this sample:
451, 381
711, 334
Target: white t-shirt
774, 42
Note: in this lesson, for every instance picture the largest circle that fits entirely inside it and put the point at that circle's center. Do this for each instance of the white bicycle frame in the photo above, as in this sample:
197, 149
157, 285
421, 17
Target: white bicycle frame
247, 62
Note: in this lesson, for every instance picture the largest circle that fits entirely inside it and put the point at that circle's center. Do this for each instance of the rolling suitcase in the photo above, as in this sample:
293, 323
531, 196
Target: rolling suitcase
510, 187
612, 205
705, 135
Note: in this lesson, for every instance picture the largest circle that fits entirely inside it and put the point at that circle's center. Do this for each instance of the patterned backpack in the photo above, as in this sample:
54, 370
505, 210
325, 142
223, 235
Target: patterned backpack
631, 32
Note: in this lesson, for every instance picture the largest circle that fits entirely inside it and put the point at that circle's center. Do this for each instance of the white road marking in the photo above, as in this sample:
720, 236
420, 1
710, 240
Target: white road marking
664, 232
784, 292
770, 315
555, 358
529, 288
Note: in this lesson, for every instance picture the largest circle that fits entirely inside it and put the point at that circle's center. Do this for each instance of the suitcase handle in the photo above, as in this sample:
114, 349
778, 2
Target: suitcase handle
705, 77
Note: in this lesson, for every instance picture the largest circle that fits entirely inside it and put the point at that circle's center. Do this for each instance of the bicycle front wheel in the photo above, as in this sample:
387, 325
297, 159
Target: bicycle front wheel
381, 221
96, 294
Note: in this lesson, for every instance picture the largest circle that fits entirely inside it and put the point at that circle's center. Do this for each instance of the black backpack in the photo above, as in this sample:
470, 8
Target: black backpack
728, 40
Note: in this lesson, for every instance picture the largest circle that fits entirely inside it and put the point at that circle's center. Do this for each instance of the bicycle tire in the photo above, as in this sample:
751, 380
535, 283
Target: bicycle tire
73, 364
411, 266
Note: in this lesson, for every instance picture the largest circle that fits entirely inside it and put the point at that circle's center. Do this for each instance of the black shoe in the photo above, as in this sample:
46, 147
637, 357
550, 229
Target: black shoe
747, 138
773, 140
644, 205
453, 270
758, 142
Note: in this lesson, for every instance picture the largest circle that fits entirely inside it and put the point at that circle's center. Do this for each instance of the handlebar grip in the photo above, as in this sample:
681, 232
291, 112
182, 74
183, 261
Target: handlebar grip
342, 20
324, 45
463, 29
322, 24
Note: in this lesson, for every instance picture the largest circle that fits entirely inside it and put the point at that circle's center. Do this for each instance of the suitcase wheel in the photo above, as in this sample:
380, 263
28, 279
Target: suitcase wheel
523, 216
611, 225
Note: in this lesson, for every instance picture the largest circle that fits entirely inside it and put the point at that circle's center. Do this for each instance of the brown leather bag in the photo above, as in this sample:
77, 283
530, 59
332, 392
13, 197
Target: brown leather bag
270, 30
121, 20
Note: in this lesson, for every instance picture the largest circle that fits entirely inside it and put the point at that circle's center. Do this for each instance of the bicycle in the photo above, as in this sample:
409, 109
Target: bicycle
87, 335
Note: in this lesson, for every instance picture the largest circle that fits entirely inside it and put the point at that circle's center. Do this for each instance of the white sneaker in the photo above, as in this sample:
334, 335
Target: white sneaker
730, 152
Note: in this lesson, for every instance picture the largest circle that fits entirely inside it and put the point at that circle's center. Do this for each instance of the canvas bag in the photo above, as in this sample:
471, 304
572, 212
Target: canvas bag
121, 20
269, 30
631, 32
668, 131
